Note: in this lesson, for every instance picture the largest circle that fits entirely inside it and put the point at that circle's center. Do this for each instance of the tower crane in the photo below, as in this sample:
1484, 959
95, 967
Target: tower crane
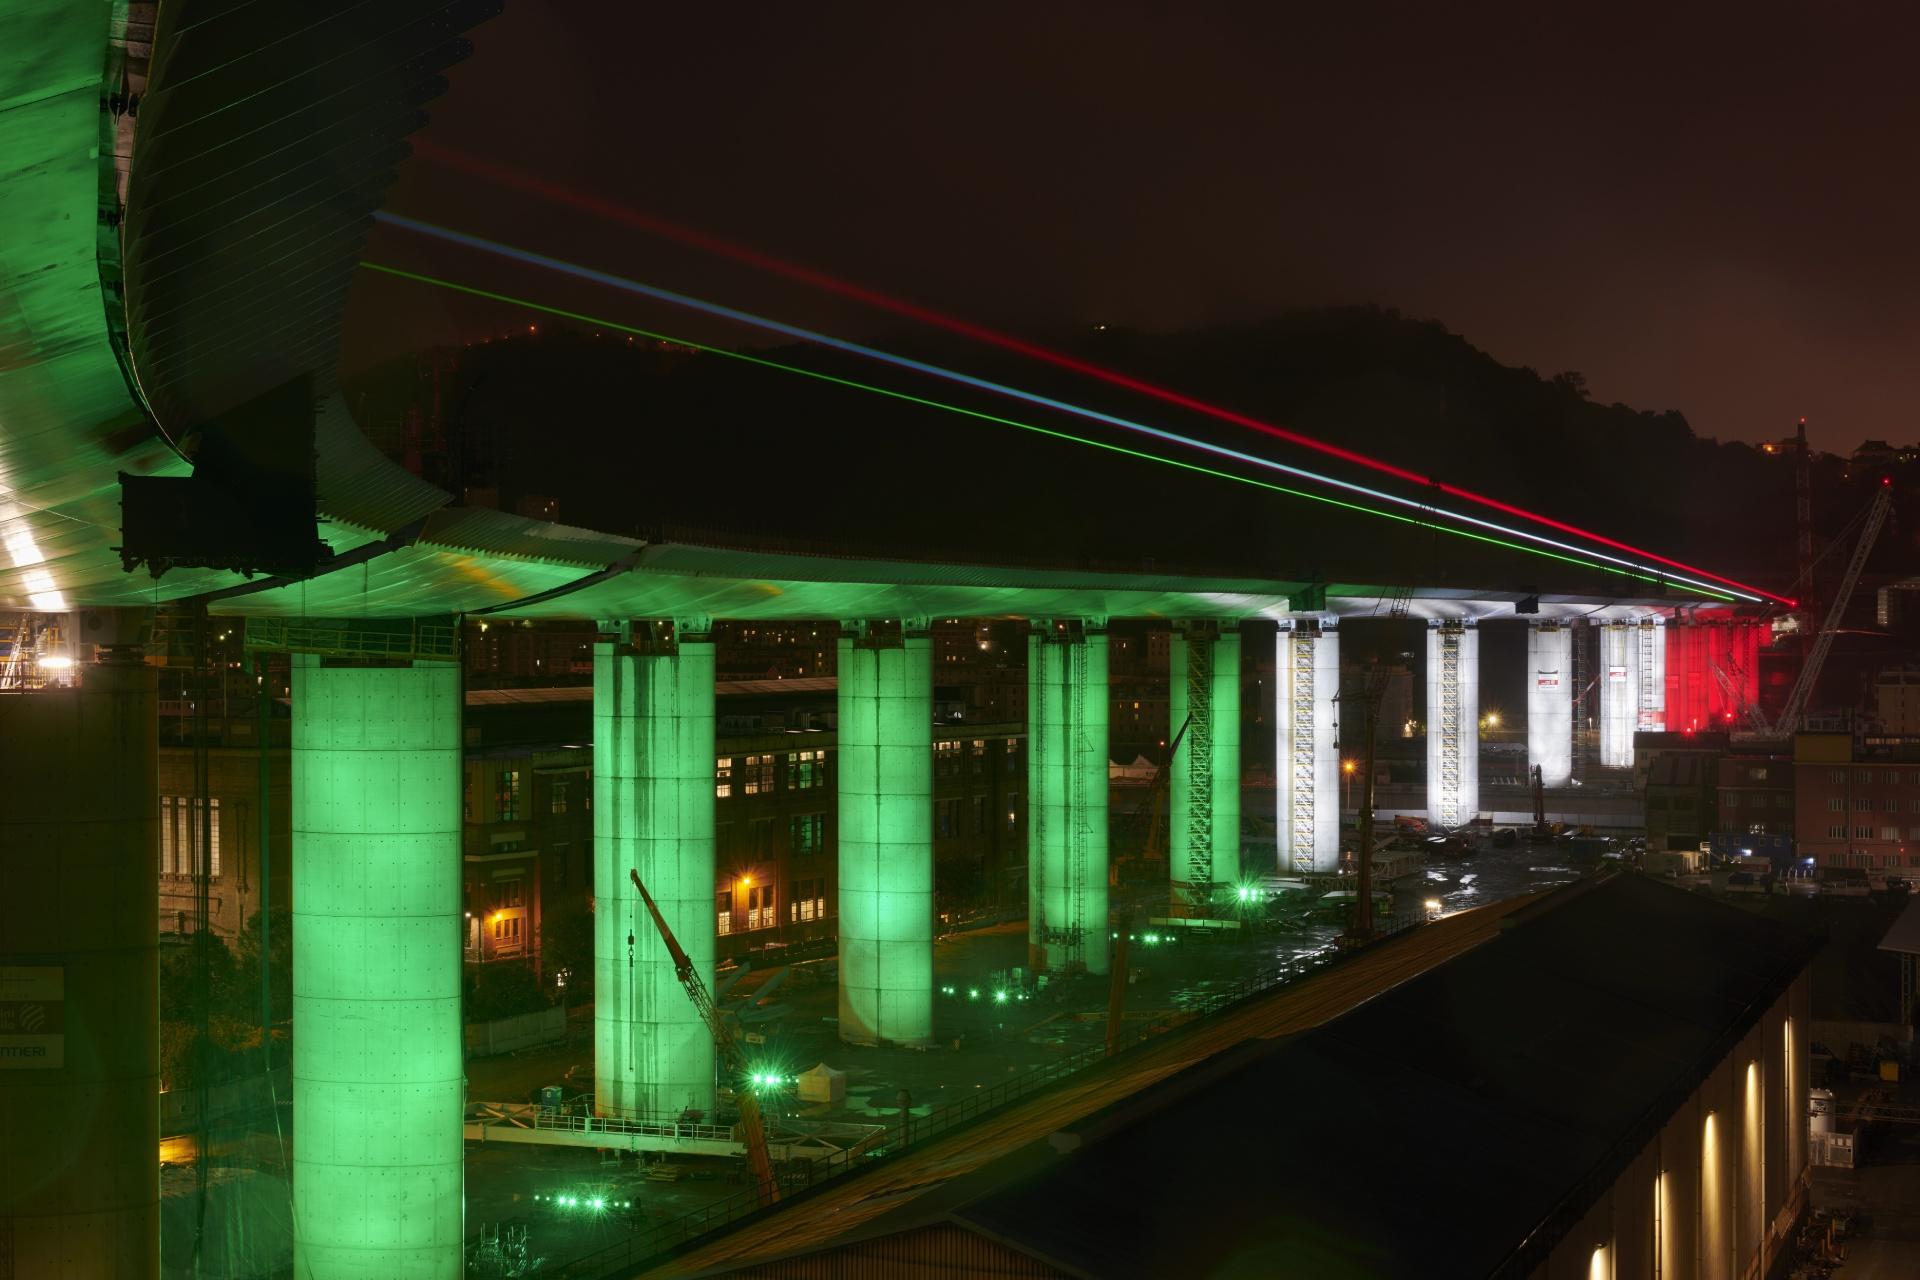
732, 1059
1796, 705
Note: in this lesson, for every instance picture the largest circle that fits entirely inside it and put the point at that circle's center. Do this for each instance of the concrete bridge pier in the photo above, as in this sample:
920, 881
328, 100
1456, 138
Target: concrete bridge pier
653, 730
378, 1078
1550, 701
1453, 721
1306, 757
79, 1005
886, 832
1619, 692
1067, 850
1203, 694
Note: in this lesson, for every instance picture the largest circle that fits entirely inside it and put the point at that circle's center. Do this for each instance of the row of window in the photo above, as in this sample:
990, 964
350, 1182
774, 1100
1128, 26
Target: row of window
506, 796
806, 900
1839, 832
947, 819
1890, 778
180, 836
1758, 800
1864, 804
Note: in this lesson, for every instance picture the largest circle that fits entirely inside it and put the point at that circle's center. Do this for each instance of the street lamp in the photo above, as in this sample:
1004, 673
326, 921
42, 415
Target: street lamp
1347, 769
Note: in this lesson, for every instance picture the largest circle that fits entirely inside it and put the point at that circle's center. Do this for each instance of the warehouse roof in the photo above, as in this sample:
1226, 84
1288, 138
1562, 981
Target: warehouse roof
1512, 1085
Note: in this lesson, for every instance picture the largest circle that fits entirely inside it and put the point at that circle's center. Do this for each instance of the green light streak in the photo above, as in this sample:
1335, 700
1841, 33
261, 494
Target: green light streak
983, 416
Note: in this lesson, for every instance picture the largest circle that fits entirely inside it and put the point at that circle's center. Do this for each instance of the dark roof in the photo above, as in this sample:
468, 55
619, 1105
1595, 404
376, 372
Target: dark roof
1682, 769
1457, 1125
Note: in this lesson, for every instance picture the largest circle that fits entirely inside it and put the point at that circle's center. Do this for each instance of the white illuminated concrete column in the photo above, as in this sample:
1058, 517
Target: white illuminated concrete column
1550, 701
1067, 715
1306, 756
652, 812
1203, 695
1619, 692
886, 834
79, 1005
378, 1077
1453, 721
1650, 637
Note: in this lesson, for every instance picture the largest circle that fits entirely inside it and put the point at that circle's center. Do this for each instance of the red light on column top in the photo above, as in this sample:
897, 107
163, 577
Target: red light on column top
1885, 481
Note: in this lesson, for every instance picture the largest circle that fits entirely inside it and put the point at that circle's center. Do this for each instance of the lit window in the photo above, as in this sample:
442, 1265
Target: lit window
557, 798
759, 776
723, 777
806, 832
760, 907
806, 899
506, 795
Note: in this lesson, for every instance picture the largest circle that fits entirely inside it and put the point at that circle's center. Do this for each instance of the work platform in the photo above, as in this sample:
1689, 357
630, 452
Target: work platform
531, 1124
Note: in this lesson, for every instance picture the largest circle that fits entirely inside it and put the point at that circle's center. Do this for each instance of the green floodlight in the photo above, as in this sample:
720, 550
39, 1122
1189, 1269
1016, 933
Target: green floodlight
999, 997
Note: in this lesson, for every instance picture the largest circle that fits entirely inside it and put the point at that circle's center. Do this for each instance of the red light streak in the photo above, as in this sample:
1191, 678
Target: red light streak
661, 228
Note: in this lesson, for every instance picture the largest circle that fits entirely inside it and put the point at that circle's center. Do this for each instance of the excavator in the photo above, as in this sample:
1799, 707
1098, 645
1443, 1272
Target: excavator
732, 1059
1543, 832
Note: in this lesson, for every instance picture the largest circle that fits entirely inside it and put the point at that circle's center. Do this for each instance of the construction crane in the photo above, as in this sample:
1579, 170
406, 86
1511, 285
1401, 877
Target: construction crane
1803, 527
1796, 705
732, 1060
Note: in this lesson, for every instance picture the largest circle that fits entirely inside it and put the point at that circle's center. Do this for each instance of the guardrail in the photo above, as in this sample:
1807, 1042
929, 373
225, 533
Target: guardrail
655, 1242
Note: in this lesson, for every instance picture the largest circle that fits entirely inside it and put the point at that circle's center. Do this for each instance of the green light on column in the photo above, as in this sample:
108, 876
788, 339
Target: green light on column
378, 1079
1067, 798
652, 810
1210, 753
886, 840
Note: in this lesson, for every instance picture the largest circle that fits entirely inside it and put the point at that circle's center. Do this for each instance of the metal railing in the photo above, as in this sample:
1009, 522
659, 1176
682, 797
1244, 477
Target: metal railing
532, 1116
800, 1179
357, 638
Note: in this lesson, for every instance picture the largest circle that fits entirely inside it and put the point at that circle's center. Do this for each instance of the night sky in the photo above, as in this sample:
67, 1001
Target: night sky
1711, 211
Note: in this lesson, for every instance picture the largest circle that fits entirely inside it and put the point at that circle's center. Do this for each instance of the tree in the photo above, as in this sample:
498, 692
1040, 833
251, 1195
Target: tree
280, 966
502, 990
566, 947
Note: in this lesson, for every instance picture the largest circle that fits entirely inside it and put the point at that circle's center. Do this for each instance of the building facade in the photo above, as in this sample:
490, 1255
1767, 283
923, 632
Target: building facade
528, 825
1855, 809
1756, 795
221, 829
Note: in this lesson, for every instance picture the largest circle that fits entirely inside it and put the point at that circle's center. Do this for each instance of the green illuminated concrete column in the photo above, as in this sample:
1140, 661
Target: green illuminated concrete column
886, 835
79, 1006
652, 812
1203, 688
1067, 796
378, 1082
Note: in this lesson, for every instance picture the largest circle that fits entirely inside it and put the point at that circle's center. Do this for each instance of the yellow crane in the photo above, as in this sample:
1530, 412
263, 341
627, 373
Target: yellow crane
734, 1062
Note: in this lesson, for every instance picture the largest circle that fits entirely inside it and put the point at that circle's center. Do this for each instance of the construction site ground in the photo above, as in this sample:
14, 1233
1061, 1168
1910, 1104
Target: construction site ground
996, 1040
